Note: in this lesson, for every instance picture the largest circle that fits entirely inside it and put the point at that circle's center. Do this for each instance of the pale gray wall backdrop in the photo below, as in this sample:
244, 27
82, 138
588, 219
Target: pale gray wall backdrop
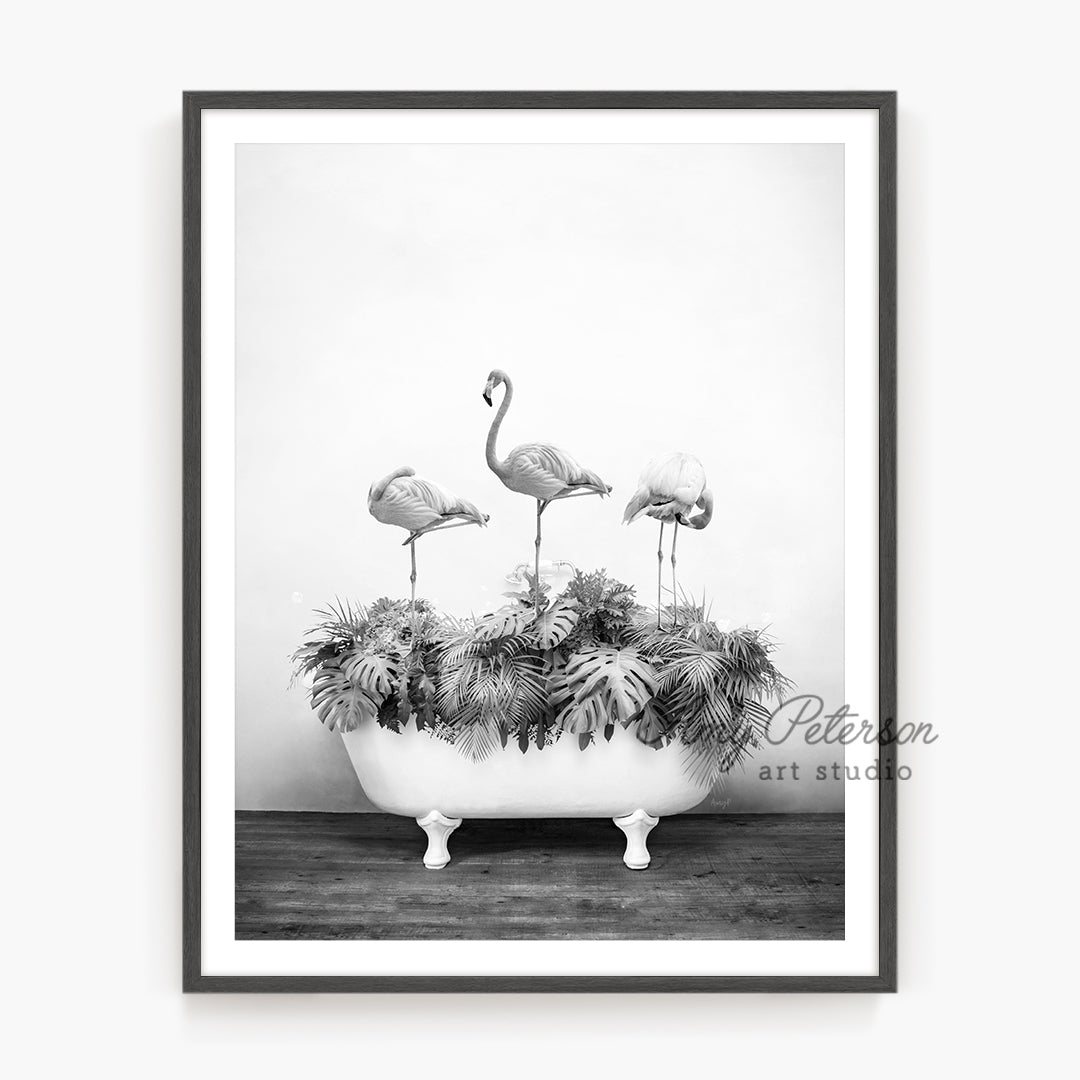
643, 298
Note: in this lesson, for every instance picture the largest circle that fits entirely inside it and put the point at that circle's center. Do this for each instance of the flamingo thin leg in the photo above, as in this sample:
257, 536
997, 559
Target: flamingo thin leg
540, 505
659, 577
412, 582
674, 586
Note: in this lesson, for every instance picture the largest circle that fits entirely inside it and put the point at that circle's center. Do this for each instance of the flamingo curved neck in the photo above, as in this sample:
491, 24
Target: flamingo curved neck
496, 466
378, 489
705, 502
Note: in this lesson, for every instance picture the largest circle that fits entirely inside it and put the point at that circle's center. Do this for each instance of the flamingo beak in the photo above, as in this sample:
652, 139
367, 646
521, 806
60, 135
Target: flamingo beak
487, 393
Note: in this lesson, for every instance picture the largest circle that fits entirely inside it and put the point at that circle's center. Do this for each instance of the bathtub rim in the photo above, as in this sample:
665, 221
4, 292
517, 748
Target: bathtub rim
412, 773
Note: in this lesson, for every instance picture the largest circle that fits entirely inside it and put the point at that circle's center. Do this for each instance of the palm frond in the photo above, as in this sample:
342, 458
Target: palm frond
713, 684
312, 655
489, 686
479, 740
523, 689
719, 740
340, 619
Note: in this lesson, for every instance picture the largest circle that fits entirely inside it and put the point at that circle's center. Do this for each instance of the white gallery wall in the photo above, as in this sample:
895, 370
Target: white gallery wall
90, 432
643, 298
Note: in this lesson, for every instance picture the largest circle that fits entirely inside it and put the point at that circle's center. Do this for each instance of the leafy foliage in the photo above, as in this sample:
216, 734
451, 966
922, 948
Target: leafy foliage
555, 625
591, 659
374, 662
377, 676
601, 686
339, 702
533, 596
715, 683
506, 622
490, 688
605, 607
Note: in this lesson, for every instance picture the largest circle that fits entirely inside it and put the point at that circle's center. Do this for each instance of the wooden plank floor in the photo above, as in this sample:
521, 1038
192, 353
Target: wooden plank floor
336, 876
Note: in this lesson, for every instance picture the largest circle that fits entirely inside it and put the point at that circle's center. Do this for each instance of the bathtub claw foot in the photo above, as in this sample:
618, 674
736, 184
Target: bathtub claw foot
438, 828
637, 826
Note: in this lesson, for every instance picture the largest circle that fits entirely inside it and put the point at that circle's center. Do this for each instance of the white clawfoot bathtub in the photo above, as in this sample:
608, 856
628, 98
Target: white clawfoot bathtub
416, 775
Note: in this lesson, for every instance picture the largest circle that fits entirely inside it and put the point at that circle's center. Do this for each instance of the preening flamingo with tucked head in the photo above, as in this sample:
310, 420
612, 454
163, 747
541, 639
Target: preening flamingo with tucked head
669, 487
539, 470
420, 506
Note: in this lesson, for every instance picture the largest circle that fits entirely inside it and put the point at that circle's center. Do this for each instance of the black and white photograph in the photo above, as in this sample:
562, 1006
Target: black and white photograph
540, 479
545, 547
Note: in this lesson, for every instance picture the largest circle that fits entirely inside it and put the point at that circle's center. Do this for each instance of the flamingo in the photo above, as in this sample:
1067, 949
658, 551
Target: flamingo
669, 487
421, 506
539, 470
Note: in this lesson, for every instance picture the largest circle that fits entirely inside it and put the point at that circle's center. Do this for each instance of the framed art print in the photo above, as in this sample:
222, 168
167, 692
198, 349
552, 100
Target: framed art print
539, 541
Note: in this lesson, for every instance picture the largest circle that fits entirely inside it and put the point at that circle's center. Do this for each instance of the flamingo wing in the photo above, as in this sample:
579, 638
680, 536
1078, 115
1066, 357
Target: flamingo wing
669, 486
660, 507
414, 503
677, 477
447, 503
638, 505
546, 472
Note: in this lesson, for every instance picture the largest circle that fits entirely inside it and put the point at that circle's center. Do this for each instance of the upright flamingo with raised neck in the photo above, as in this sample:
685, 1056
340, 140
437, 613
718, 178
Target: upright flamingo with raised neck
421, 506
539, 470
669, 487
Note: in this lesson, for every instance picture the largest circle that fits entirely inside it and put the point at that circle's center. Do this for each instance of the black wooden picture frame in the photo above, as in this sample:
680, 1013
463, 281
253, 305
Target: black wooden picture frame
194, 104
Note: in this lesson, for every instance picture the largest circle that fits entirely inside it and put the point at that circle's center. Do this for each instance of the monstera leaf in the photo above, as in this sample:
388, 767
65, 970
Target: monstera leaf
376, 675
554, 626
506, 622
602, 686
339, 702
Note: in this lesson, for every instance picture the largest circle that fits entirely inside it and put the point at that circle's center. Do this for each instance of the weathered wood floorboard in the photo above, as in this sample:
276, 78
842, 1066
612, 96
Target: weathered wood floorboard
360, 876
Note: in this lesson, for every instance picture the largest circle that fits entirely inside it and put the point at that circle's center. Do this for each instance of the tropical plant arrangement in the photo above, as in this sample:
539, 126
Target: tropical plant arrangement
544, 667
